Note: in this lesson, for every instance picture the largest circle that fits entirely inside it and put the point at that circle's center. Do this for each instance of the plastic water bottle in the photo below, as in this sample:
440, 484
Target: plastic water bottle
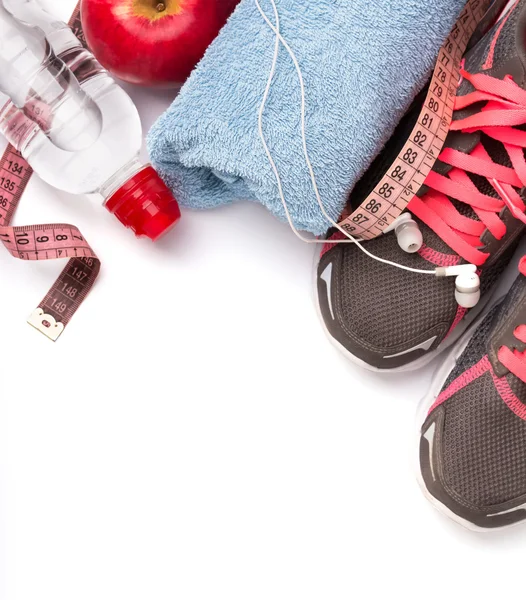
75, 126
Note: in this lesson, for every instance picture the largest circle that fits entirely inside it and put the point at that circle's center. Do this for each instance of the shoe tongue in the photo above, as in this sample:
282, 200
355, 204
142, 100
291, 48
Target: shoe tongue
502, 50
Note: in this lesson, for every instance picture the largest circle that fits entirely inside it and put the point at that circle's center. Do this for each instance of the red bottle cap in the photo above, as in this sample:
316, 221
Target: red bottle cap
145, 205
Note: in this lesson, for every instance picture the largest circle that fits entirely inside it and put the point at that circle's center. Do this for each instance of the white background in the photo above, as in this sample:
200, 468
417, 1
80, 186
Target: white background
193, 434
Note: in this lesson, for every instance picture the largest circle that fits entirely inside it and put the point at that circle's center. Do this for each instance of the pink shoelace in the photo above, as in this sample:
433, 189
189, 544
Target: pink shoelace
505, 109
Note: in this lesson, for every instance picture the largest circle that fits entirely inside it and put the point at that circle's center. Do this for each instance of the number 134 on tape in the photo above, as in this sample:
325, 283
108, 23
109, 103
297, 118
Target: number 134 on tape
44, 242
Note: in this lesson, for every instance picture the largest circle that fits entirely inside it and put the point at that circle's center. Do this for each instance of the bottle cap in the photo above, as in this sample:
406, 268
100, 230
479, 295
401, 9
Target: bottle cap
145, 205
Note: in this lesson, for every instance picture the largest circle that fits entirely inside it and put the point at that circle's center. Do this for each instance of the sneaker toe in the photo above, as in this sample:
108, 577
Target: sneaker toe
473, 457
382, 316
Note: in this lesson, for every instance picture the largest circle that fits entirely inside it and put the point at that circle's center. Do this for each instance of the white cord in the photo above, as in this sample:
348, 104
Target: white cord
350, 239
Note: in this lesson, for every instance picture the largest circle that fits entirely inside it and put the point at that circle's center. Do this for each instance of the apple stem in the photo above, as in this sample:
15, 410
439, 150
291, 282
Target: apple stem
161, 6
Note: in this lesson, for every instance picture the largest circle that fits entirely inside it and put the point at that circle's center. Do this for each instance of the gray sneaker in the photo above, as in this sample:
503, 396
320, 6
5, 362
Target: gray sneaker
388, 319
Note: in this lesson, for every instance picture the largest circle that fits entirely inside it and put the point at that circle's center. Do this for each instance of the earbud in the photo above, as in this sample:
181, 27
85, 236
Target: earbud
467, 283
408, 234
467, 290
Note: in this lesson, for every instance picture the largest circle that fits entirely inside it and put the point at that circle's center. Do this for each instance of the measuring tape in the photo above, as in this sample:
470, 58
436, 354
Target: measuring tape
45, 242
415, 161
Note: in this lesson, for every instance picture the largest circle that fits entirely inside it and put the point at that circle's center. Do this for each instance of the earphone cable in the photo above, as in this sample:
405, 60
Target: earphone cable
349, 238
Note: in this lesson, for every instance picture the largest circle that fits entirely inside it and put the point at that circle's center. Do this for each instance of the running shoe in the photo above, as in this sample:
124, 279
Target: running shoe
473, 441
388, 319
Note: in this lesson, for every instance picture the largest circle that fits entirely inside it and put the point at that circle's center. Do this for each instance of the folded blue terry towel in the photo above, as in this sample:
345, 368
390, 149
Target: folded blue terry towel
363, 62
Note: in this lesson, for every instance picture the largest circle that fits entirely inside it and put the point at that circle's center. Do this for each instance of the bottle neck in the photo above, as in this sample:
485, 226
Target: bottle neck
120, 178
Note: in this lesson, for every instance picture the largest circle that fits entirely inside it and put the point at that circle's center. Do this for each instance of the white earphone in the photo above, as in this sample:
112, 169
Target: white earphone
408, 234
467, 283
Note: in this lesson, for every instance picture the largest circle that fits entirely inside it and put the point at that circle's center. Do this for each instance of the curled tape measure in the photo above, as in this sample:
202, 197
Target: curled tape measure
413, 164
45, 242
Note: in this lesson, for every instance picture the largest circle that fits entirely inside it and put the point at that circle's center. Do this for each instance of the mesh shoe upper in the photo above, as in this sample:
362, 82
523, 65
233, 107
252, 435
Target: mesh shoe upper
483, 447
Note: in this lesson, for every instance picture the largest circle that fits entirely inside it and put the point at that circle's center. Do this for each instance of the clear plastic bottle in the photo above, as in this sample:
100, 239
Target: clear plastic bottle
75, 126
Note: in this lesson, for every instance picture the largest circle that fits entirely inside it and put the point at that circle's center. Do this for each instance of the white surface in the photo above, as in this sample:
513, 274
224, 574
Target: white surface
193, 434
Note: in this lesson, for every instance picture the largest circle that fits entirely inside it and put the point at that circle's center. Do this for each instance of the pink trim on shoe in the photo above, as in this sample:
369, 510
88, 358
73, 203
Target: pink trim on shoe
461, 313
460, 382
501, 385
329, 246
508, 396
438, 258
489, 60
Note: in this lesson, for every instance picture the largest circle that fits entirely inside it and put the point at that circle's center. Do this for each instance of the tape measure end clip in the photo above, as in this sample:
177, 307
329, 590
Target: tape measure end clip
46, 324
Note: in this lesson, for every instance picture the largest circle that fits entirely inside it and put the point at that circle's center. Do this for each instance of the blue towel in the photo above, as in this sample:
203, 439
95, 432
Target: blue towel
363, 62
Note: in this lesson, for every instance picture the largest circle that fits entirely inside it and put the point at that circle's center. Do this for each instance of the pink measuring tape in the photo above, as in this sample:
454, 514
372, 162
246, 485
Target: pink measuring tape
45, 242
413, 164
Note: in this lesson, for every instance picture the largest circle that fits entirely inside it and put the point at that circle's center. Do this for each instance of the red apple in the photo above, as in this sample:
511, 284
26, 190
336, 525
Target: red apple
152, 42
